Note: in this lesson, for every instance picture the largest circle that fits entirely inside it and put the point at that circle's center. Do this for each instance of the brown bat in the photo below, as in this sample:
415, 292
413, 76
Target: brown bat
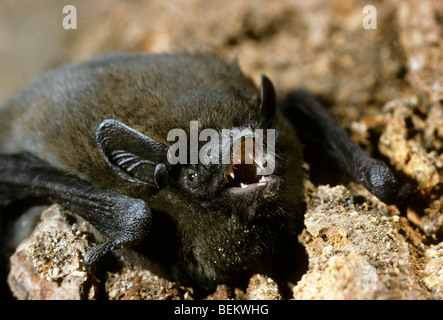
93, 137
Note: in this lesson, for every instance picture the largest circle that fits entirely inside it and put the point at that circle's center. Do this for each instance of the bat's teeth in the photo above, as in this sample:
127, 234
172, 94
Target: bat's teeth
231, 173
262, 179
243, 185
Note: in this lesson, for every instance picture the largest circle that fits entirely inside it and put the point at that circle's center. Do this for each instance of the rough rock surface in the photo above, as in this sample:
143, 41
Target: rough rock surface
384, 86
355, 251
413, 143
420, 34
413, 140
132, 283
49, 263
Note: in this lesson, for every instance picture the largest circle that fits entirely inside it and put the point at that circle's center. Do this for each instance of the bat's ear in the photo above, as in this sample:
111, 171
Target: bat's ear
134, 156
267, 98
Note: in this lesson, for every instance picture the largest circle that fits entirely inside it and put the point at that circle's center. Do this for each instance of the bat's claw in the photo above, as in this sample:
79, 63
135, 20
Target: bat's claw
97, 252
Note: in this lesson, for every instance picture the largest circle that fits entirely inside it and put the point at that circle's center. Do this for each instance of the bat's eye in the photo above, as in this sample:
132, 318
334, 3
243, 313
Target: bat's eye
192, 176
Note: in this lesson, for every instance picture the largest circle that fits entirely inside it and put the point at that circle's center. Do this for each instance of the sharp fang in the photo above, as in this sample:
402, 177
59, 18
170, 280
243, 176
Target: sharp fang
262, 179
243, 185
232, 175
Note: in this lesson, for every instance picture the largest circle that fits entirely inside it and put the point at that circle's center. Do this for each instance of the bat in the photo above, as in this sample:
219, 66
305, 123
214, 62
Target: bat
93, 137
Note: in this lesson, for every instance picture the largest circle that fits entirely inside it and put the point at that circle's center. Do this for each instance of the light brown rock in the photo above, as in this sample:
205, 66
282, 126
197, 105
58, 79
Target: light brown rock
355, 251
48, 265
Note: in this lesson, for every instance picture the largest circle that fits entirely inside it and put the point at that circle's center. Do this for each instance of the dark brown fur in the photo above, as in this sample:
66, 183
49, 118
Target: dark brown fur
55, 119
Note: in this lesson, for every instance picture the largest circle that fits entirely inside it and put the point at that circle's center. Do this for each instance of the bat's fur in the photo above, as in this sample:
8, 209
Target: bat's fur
197, 241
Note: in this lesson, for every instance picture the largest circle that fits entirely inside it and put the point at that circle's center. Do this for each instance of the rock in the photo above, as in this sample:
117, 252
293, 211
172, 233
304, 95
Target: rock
49, 264
412, 141
433, 271
133, 283
421, 37
262, 287
432, 221
225, 292
355, 251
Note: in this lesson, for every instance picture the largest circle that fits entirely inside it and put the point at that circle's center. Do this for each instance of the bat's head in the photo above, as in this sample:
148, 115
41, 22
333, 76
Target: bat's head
229, 193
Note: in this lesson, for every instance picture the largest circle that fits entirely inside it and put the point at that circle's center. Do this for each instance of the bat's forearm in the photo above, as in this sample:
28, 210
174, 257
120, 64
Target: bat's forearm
313, 121
123, 219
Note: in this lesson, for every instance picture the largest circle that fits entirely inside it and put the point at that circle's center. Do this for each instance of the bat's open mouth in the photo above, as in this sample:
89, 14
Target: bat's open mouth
242, 173
244, 176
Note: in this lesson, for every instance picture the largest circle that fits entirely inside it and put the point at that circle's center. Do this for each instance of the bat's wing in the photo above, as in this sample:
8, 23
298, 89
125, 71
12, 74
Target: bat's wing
122, 219
314, 123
